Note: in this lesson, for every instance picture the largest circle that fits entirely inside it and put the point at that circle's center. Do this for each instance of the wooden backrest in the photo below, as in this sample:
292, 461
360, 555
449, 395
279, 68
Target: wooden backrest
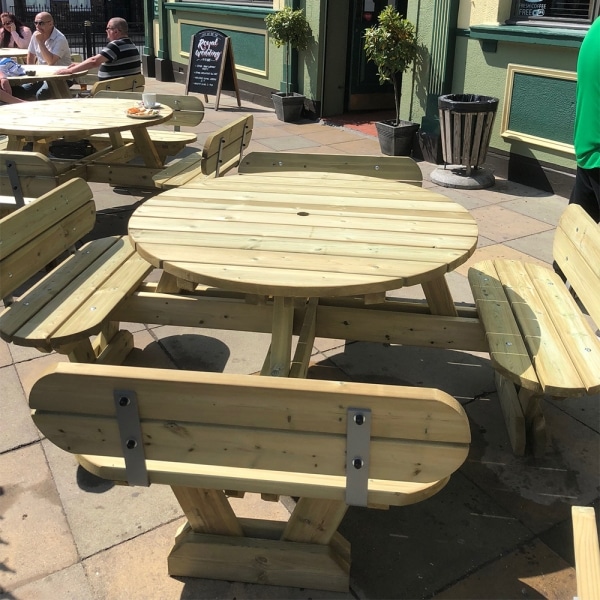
39, 232
29, 174
224, 148
244, 422
188, 111
577, 252
398, 168
132, 83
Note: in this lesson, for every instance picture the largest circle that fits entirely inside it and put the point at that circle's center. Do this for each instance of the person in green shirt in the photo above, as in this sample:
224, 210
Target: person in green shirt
586, 191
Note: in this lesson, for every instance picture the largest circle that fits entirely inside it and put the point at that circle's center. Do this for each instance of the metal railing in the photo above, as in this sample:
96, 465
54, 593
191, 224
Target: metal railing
85, 28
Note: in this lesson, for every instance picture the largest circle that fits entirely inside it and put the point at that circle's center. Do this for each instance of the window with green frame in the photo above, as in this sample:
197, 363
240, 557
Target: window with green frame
554, 13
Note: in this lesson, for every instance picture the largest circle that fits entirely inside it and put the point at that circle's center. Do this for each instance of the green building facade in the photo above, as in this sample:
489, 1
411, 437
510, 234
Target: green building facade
523, 52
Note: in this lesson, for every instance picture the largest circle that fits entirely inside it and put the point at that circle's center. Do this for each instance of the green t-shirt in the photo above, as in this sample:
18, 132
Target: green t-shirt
587, 112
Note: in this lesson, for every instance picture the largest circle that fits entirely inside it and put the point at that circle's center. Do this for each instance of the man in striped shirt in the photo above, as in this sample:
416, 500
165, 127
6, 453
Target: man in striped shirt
119, 58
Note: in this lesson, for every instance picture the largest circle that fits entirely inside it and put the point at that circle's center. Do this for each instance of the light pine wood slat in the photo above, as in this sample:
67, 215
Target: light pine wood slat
223, 395
42, 326
396, 493
553, 365
587, 552
397, 168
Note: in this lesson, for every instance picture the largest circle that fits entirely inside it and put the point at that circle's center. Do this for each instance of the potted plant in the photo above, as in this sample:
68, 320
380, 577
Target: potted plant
288, 28
392, 45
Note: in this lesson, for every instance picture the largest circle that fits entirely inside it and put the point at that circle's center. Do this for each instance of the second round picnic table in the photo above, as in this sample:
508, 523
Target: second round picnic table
79, 118
57, 84
306, 236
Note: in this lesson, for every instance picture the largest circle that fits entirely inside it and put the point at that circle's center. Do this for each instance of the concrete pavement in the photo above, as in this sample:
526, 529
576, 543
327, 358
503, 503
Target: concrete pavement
500, 529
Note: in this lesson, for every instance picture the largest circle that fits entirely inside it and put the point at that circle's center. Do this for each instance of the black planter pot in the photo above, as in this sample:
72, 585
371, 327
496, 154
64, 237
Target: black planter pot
288, 107
396, 140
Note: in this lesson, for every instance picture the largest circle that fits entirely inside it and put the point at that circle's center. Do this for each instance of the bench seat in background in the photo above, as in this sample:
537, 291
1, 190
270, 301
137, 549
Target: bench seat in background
188, 111
222, 151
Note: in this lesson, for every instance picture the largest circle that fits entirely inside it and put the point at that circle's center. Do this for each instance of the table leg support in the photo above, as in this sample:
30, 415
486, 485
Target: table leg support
523, 416
280, 353
439, 297
215, 544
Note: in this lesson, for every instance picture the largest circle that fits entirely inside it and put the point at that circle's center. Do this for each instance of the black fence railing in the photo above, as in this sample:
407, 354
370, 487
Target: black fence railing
85, 28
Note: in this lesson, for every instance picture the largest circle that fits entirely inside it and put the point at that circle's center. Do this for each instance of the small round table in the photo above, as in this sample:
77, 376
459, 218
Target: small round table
79, 118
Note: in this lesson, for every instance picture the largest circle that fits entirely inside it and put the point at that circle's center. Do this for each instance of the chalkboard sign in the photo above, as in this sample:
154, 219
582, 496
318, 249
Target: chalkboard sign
212, 67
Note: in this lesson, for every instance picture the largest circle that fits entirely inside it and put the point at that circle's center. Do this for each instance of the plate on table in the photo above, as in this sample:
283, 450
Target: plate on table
142, 113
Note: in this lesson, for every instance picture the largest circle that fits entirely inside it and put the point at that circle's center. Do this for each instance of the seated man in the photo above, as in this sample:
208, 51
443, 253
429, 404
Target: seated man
119, 58
48, 46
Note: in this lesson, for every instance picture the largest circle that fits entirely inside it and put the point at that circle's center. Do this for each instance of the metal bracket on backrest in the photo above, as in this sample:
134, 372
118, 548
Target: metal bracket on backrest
15, 183
177, 108
243, 142
130, 431
358, 455
219, 159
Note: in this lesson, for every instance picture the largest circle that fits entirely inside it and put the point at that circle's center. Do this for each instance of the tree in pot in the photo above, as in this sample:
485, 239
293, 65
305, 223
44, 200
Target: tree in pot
288, 28
393, 46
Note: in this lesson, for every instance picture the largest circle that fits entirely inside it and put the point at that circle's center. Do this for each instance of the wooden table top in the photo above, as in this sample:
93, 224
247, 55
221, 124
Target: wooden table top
303, 235
42, 72
81, 116
13, 52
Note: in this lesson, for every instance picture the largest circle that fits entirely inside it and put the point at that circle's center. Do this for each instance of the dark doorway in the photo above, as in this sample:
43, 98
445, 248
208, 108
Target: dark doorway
363, 89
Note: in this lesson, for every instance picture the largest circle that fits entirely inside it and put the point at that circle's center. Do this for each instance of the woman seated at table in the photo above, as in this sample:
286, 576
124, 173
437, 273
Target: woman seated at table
6, 95
13, 33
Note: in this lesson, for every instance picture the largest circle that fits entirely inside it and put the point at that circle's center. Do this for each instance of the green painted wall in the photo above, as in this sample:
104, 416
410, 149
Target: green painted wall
253, 56
543, 107
257, 60
479, 72
249, 48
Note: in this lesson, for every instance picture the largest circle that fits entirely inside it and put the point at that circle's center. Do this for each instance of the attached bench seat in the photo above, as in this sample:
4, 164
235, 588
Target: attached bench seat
130, 83
540, 340
330, 443
24, 176
222, 151
74, 299
188, 111
396, 168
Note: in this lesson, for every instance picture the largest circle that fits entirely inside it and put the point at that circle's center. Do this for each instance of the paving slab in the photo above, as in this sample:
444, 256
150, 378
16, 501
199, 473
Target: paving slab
532, 571
414, 551
36, 539
17, 427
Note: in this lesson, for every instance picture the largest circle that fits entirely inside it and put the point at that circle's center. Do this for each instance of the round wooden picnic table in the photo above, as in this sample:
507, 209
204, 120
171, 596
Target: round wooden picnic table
79, 118
57, 84
306, 235
16, 53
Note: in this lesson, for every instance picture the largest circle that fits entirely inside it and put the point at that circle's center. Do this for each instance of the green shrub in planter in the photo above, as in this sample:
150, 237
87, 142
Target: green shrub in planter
393, 46
288, 28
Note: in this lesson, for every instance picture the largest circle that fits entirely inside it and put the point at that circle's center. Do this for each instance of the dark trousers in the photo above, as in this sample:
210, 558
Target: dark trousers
586, 191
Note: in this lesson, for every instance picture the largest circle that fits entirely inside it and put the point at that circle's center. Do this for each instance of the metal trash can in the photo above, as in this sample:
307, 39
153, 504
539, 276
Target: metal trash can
466, 122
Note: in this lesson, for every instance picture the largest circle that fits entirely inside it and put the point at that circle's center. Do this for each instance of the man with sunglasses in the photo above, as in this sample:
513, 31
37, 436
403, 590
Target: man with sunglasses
48, 46
119, 58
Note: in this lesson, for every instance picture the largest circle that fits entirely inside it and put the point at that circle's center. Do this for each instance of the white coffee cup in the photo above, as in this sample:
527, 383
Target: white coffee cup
149, 100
